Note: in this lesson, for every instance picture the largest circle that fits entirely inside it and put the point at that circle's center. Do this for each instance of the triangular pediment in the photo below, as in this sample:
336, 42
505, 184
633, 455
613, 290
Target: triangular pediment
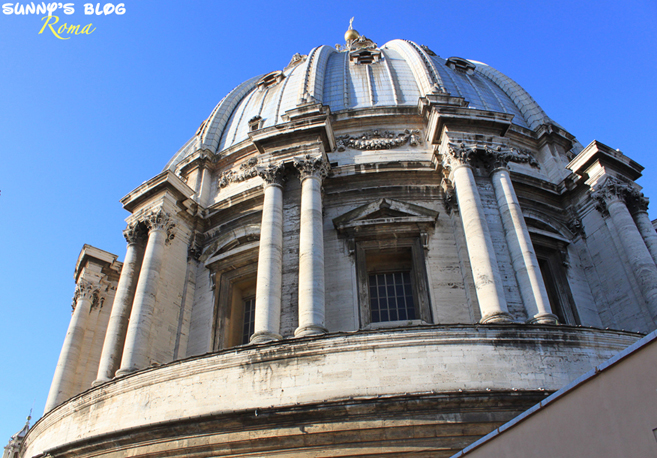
385, 211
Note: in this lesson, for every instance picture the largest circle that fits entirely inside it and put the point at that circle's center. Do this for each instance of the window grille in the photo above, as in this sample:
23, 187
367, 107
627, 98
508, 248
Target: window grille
391, 297
249, 320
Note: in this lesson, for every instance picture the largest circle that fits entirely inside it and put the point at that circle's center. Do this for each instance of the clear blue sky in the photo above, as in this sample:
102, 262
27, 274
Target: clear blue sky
86, 120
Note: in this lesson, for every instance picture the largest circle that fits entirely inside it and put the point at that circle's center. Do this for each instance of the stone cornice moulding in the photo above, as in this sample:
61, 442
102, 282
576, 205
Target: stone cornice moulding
439, 118
165, 181
594, 160
95, 255
305, 120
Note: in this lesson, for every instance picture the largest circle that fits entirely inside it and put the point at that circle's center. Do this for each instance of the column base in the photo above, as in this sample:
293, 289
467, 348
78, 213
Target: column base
545, 318
500, 317
100, 381
264, 336
122, 372
312, 330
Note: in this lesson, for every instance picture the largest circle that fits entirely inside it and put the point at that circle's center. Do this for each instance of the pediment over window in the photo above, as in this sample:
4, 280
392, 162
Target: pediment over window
386, 215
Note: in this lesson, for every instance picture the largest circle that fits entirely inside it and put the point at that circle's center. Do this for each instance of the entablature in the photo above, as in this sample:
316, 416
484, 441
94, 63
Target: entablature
165, 182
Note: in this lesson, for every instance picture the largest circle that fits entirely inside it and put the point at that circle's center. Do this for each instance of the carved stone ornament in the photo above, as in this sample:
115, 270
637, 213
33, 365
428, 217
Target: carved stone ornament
375, 140
134, 233
311, 166
613, 189
247, 170
272, 174
160, 220
296, 60
195, 248
576, 227
83, 290
490, 157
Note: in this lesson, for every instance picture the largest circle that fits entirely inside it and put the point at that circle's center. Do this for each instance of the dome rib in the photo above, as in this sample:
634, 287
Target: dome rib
313, 84
426, 76
531, 111
214, 128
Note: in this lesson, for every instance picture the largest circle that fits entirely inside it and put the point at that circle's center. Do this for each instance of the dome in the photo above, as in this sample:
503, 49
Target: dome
373, 250
404, 72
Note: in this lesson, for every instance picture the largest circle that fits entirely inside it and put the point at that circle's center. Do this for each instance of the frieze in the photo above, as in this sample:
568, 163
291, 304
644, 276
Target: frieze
375, 140
247, 170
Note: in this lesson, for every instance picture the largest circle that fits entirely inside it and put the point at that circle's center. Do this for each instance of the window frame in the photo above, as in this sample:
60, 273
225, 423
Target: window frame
418, 273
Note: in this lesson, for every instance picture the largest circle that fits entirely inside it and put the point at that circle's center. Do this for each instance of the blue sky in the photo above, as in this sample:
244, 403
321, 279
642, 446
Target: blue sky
84, 121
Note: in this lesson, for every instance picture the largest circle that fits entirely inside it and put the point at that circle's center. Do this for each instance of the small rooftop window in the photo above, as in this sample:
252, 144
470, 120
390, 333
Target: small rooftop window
270, 79
460, 64
365, 56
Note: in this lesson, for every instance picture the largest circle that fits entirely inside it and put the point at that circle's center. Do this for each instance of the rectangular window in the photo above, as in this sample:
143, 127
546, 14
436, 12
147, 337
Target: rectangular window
392, 284
249, 320
391, 297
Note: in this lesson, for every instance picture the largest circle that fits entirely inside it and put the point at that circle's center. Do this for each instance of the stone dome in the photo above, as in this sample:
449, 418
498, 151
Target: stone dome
405, 72
373, 250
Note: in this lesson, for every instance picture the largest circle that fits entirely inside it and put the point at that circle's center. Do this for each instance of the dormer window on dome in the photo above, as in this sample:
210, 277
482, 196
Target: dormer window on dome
460, 64
365, 56
270, 79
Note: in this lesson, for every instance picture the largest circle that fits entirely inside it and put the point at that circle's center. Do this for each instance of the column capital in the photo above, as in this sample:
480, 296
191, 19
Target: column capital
493, 157
311, 166
84, 290
613, 189
159, 220
273, 174
134, 233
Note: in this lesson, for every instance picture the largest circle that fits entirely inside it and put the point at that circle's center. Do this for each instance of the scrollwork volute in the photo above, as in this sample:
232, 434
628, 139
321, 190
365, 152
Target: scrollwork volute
311, 166
273, 174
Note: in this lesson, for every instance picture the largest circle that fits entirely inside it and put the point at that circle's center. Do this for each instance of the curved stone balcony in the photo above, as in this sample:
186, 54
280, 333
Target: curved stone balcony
443, 386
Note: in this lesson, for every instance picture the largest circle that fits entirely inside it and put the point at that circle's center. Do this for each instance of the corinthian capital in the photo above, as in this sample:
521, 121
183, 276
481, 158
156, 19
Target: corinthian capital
272, 174
134, 233
615, 189
84, 290
311, 166
492, 157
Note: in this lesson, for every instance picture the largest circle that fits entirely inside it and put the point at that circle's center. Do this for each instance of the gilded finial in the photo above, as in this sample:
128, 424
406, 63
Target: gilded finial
351, 34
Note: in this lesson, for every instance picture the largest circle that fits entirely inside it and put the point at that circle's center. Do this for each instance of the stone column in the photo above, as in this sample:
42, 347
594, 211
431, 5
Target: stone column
135, 355
639, 209
311, 246
485, 272
611, 197
532, 288
270, 257
110, 358
61, 387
